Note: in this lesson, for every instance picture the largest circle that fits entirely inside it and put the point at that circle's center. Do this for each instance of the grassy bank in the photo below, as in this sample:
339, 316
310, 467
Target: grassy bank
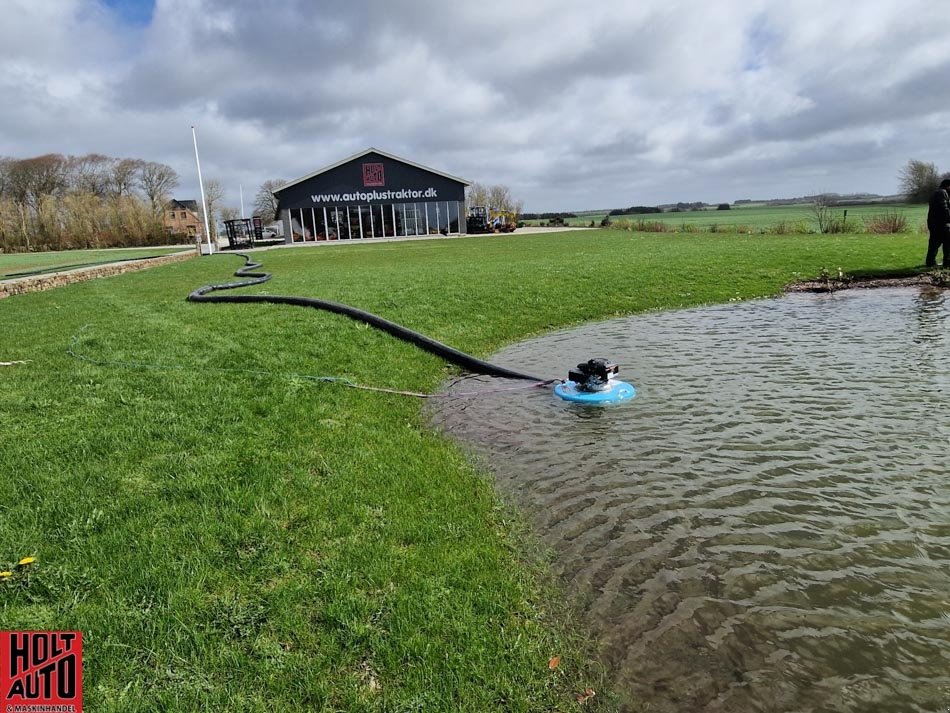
247, 541
17, 264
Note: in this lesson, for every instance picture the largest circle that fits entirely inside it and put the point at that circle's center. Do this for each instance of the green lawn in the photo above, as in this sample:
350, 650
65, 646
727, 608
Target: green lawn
237, 541
761, 217
17, 264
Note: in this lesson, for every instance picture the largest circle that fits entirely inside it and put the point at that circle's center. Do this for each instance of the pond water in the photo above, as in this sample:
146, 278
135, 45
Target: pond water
766, 527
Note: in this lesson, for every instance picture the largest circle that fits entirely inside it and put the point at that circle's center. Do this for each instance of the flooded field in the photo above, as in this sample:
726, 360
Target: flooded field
766, 527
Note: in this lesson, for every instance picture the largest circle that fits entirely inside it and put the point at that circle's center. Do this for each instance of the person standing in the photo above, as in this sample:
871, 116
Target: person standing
938, 223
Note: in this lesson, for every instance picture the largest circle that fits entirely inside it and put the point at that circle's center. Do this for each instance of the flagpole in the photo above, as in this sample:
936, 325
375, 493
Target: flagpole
241, 187
201, 185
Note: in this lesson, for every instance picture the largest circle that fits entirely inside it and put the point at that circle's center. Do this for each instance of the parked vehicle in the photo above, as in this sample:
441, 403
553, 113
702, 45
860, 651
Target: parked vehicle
477, 220
484, 220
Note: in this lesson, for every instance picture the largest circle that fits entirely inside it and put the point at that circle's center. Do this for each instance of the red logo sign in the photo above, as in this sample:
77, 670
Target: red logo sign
41, 670
373, 175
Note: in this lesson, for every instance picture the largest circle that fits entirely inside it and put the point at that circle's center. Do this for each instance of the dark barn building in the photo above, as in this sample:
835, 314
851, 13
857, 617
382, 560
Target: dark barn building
372, 194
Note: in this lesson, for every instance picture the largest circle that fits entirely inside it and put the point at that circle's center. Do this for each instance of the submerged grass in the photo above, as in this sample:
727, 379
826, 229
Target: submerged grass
247, 542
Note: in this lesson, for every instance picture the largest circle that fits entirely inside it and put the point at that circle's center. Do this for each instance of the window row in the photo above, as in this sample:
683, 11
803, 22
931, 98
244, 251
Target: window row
374, 221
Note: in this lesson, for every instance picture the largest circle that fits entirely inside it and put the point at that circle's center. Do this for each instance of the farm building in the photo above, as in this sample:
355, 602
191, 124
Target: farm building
372, 194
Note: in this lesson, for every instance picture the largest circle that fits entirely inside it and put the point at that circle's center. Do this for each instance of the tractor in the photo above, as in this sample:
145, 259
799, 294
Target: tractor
477, 221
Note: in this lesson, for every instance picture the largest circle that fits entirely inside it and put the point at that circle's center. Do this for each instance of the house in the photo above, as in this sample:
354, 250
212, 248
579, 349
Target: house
182, 218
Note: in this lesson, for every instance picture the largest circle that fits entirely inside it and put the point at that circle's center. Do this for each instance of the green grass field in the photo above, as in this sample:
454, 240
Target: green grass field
759, 218
16, 264
232, 540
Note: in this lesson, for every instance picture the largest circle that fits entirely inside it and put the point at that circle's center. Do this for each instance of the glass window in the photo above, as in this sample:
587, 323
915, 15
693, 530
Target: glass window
452, 209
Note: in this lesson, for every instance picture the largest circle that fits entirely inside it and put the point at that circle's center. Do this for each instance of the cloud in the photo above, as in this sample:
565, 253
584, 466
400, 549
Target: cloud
571, 105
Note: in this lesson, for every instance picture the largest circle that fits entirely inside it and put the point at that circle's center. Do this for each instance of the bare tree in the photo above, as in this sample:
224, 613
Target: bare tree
6, 165
55, 202
230, 213
265, 202
496, 198
214, 195
476, 195
90, 174
124, 176
33, 178
157, 181
823, 213
918, 181
499, 198
823, 210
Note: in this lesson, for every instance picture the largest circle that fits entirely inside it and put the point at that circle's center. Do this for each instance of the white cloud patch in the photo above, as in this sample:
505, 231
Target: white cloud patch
572, 105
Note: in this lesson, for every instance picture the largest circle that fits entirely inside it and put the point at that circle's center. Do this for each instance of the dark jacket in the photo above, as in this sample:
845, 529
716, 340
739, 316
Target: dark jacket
938, 215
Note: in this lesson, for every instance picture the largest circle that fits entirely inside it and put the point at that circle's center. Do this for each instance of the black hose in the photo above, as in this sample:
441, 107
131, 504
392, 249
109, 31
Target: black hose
76, 266
453, 356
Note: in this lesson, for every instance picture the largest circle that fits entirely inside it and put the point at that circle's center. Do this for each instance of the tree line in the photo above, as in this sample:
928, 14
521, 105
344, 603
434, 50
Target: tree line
56, 202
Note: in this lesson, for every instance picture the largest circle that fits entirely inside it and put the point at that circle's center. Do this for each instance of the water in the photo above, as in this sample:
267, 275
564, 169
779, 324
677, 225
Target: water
766, 527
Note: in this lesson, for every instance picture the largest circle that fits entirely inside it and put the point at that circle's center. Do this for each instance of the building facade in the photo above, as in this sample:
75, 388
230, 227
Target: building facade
181, 218
370, 195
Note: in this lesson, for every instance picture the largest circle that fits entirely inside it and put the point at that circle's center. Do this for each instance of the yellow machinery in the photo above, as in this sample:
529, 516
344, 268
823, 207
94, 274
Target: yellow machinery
490, 220
503, 221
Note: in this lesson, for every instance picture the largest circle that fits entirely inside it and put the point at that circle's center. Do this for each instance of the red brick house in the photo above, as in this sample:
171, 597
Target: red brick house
182, 218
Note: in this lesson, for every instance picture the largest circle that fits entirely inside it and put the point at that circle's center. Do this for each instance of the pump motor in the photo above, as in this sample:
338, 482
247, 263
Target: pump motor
593, 374
592, 383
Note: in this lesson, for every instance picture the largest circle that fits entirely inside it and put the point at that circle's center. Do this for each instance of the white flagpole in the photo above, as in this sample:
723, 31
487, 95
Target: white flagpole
242, 199
201, 185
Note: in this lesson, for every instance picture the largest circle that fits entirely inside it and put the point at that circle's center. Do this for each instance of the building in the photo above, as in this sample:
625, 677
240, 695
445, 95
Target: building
181, 218
369, 195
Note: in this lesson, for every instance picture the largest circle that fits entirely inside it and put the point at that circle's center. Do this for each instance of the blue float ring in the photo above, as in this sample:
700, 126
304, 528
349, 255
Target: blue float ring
615, 392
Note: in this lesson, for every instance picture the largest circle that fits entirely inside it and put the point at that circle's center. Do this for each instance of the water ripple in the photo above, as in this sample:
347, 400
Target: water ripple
767, 526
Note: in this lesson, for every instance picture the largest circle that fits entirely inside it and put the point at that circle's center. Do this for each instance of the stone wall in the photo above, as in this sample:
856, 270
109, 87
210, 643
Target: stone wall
58, 279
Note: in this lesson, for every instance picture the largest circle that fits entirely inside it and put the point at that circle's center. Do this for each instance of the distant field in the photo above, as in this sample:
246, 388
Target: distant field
759, 218
15, 264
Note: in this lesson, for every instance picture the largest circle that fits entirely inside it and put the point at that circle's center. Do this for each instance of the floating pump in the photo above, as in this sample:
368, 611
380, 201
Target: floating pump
592, 382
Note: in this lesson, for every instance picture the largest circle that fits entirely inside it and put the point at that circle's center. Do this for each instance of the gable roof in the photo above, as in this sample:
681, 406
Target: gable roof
364, 153
175, 204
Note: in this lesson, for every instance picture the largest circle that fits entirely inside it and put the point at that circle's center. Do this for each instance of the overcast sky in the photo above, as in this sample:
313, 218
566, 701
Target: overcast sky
572, 105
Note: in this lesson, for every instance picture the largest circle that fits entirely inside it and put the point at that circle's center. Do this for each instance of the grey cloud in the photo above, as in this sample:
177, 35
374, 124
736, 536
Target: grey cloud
612, 103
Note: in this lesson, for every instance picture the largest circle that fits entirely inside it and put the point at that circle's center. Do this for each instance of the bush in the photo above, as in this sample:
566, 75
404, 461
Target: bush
79, 220
888, 222
786, 228
650, 226
724, 206
642, 226
828, 221
841, 226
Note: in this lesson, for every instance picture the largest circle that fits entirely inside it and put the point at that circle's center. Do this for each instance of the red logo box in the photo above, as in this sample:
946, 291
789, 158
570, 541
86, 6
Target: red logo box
373, 175
41, 670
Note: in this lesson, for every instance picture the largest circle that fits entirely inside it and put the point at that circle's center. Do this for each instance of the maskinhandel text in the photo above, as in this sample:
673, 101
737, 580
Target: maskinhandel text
374, 196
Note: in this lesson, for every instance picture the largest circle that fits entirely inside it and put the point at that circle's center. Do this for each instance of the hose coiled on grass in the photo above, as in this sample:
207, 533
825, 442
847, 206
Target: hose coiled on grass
451, 355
